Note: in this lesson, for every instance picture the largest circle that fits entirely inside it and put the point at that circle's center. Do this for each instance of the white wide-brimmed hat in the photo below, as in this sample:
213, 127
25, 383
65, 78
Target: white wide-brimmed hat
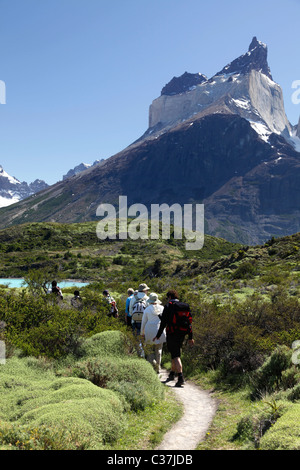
143, 287
153, 299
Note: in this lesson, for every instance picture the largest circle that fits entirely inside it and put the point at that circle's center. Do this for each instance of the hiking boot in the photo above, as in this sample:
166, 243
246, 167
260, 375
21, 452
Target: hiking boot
171, 376
180, 381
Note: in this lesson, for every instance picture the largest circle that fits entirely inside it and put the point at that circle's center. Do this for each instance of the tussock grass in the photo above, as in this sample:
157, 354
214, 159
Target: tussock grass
88, 402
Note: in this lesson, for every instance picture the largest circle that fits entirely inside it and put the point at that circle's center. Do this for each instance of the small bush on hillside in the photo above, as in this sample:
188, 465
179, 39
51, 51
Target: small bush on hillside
269, 377
284, 434
252, 427
79, 406
107, 343
246, 270
41, 326
109, 372
16, 437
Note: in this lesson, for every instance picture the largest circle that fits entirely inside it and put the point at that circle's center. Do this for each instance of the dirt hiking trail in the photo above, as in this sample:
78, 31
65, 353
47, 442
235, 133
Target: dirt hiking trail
199, 410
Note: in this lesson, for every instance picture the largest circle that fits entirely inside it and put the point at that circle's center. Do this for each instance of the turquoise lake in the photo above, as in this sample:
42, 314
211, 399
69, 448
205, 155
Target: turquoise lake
20, 283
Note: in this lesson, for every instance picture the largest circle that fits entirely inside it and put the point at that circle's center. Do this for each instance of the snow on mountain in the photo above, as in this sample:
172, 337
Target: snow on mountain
12, 190
261, 130
81, 167
294, 140
244, 87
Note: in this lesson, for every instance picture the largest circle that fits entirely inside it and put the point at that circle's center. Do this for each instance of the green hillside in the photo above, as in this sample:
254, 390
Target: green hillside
74, 251
246, 318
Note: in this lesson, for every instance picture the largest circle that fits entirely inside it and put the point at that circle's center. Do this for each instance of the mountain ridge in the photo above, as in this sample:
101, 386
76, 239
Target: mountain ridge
237, 155
12, 190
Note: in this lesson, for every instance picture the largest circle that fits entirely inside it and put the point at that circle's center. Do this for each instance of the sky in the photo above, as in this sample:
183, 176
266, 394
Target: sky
80, 75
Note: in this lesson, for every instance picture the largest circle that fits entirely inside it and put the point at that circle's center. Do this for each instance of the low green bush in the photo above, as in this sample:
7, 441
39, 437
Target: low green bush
47, 406
39, 325
107, 343
285, 433
16, 437
106, 363
245, 270
252, 427
33, 397
269, 377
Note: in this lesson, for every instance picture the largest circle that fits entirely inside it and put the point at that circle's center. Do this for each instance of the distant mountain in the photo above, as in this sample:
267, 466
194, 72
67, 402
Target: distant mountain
224, 141
81, 167
12, 190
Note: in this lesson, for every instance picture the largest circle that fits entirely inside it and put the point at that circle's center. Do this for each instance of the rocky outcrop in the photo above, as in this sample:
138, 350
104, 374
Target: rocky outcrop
254, 59
243, 87
185, 82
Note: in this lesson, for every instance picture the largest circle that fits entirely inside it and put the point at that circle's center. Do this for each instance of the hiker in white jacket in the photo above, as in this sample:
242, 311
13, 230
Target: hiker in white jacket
149, 328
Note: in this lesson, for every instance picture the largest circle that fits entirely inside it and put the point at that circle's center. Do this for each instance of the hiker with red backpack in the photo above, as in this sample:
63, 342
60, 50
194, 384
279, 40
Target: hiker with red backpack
177, 320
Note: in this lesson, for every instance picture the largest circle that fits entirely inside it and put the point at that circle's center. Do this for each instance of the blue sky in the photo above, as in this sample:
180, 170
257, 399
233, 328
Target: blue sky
80, 74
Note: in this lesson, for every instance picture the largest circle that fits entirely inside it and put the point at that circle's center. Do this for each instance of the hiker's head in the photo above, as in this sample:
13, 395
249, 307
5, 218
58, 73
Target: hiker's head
76, 292
143, 288
54, 283
105, 292
130, 291
153, 299
172, 294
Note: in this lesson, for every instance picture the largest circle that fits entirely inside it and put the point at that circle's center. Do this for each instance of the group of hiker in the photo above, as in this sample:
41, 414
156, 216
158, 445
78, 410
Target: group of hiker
154, 323
76, 301
158, 325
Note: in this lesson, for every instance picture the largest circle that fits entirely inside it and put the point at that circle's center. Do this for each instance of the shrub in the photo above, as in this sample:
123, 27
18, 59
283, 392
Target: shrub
109, 372
41, 326
107, 343
99, 416
45, 406
284, 434
246, 270
252, 427
290, 377
294, 394
268, 378
107, 364
16, 437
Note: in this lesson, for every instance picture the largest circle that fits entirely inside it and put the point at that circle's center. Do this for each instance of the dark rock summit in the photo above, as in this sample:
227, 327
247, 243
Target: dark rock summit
254, 59
183, 83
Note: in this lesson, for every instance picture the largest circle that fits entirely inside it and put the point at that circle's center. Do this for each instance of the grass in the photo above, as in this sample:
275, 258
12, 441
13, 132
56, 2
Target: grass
145, 430
231, 405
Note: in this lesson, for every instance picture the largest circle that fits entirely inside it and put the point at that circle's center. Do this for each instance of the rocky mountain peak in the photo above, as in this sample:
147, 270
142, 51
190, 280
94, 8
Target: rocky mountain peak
185, 82
254, 59
244, 87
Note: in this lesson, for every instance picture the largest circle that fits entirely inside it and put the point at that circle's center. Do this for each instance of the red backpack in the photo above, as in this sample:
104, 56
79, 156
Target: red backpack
180, 318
